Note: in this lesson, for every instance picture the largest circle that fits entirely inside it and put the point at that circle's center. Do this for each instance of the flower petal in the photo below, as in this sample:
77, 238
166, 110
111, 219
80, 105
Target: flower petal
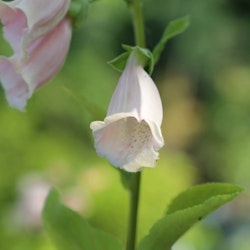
157, 135
16, 90
46, 56
42, 16
14, 25
126, 142
25, 21
151, 105
137, 93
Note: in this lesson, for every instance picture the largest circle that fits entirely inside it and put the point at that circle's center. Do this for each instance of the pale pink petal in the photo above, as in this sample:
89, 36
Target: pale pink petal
136, 92
16, 90
156, 133
40, 36
42, 13
151, 105
42, 16
47, 55
127, 143
14, 25
26, 20
5, 11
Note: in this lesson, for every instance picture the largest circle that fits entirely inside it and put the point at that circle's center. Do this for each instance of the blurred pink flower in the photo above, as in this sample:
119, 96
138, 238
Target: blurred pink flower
39, 34
130, 135
32, 192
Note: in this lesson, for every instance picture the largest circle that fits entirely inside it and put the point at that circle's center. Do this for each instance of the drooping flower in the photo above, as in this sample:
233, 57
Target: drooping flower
130, 135
39, 34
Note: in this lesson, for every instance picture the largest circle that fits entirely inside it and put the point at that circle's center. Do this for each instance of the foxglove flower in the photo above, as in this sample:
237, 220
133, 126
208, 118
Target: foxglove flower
130, 135
39, 34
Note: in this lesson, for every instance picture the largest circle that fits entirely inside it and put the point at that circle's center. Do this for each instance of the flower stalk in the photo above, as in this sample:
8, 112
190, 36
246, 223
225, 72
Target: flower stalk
138, 23
134, 202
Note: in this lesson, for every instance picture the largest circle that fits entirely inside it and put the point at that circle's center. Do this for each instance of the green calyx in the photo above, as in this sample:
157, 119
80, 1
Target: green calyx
144, 56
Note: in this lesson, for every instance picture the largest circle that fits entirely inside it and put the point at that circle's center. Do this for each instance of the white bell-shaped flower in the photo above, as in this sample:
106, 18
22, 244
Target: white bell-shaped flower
130, 135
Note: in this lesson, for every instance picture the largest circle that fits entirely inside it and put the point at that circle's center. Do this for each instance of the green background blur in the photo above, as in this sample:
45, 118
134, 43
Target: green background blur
204, 81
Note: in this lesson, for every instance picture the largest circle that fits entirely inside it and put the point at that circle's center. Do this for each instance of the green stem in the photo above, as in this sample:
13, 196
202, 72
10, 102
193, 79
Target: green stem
134, 200
138, 23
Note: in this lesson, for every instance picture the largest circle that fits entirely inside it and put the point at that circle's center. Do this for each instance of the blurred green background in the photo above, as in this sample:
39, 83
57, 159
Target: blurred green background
204, 80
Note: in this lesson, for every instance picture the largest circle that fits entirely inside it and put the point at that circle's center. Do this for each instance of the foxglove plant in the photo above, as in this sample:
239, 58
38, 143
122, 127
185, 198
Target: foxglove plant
39, 33
130, 135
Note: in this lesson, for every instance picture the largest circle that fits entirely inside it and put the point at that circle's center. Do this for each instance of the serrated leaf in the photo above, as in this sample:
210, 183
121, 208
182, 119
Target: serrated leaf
174, 28
69, 230
186, 209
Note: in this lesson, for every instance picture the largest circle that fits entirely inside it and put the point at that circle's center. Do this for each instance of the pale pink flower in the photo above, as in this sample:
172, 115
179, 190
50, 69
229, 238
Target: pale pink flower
39, 34
32, 190
26, 20
130, 135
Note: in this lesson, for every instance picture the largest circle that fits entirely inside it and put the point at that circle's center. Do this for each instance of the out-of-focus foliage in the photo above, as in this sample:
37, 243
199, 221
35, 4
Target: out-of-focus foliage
204, 80
71, 231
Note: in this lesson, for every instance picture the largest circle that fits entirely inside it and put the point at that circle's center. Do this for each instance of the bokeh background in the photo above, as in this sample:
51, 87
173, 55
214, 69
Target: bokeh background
204, 80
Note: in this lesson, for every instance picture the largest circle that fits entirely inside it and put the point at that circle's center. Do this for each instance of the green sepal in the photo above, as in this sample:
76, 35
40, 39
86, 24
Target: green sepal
144, 56
119, 62
78, 10
173, 29
185, 210
69, 230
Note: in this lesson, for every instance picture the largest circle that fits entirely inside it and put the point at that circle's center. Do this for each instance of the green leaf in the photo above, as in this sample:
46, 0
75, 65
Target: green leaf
144, 56
174, 28
200, 194
70, 231
186, 209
